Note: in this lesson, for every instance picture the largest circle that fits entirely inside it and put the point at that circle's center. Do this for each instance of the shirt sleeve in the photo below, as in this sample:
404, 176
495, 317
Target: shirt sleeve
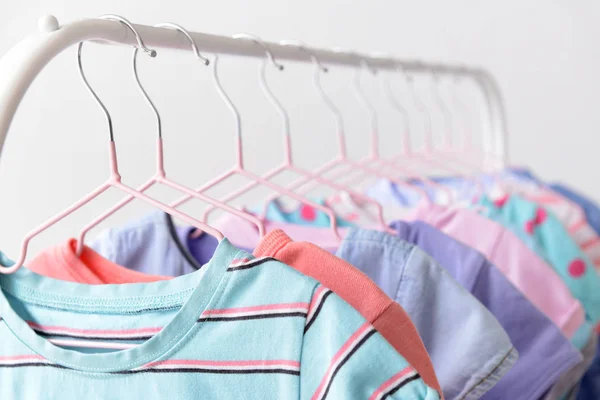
344, 357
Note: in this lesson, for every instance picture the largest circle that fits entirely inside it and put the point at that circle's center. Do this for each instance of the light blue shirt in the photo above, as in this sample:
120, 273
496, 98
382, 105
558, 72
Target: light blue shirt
238, 327
469, 349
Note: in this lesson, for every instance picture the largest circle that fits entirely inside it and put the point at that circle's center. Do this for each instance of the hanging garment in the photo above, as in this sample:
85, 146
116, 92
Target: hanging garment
562, 253
440, 308
522, 266
570, 214
545, 354
306, 341
145, 245
353, 286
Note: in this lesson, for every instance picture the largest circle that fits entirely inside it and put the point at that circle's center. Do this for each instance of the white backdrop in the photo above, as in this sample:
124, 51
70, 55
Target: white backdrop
545, 56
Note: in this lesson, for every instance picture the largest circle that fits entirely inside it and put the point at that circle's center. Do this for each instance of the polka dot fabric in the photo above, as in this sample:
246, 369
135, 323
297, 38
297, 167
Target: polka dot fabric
551, 240
302, 215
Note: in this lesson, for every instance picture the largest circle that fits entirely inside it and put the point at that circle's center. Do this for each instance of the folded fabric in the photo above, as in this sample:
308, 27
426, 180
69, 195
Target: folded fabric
469, 348
192, 335
353, 286
545, 354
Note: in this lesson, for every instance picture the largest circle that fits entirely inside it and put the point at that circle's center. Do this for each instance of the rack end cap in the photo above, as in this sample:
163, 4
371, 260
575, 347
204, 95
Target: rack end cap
48, 23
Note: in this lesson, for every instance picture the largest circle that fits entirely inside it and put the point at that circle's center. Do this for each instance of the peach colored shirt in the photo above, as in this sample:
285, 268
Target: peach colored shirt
61, 262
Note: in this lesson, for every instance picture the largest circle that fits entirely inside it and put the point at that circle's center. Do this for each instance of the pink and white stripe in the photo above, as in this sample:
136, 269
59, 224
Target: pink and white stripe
341, 357
233, 367
316, 304
24, 360
118, 334
394, 384
247, 263
256, 312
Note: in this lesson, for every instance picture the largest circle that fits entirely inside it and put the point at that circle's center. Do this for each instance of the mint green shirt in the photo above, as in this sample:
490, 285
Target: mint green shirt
238, 328
551, 240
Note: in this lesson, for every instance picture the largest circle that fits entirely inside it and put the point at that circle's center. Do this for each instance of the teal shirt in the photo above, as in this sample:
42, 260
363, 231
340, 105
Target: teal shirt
237, 328
540, 229
303, 215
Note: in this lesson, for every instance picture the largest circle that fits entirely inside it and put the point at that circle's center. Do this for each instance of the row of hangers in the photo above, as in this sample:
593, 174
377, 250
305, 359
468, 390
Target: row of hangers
373, 166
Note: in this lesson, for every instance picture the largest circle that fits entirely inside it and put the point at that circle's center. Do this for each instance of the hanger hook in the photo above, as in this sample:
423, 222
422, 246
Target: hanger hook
261, 43
137, 78
140, 44
319, 68
421, 107
466, 139
362, 97
441, 103
386, 85
234, 111
302, 46
265, 87
189, 38
138, 38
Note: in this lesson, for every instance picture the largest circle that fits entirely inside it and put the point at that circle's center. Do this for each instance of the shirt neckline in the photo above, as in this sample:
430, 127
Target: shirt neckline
91, 268
192, 293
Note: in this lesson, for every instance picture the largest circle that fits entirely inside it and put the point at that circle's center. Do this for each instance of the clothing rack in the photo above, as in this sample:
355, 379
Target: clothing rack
22, 63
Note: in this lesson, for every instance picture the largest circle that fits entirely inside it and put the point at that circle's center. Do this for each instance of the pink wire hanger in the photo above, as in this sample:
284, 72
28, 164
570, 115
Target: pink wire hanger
364, 165
447, 151
466, 149
160, 175
427, 156
352, 194
113, 181
239, 168
394, 162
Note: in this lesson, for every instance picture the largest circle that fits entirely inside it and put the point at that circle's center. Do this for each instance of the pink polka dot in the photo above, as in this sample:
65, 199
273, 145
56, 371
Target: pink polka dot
529, 225
308, 213
577, 268
540, 215
352, 217
501, 201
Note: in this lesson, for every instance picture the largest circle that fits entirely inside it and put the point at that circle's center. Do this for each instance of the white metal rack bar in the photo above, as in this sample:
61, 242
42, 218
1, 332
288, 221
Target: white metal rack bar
23, 62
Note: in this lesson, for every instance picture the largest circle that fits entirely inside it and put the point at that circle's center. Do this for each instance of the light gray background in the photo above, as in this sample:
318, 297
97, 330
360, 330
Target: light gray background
544, 54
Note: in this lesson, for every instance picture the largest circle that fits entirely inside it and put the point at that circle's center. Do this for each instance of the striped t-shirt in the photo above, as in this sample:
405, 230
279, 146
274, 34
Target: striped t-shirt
241, 327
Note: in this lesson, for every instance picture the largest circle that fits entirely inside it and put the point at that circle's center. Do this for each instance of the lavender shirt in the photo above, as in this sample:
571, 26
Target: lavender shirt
154, 245
544, 353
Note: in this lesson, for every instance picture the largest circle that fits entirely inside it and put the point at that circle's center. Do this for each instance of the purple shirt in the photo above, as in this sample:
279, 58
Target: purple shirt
544, 353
